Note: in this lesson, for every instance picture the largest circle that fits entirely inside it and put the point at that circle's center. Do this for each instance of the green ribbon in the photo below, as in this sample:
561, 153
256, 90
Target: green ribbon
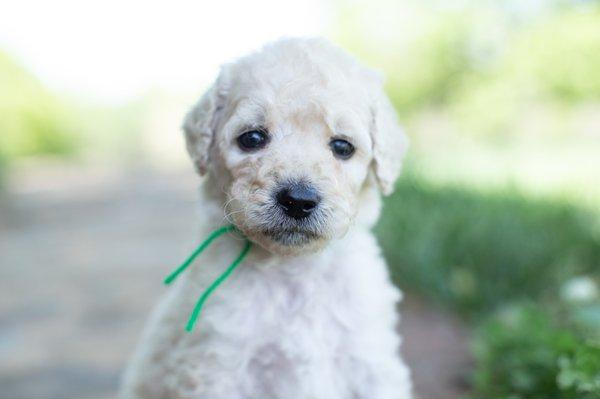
215, 284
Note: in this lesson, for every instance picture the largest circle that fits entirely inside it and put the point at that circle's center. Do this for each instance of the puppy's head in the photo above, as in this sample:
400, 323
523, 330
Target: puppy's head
295, 135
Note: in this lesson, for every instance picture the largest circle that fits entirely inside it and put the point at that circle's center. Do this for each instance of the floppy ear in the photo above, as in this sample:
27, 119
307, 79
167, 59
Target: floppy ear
389, 142
199, 127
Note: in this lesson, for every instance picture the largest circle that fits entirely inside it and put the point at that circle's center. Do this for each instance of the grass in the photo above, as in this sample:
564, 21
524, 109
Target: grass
472, 250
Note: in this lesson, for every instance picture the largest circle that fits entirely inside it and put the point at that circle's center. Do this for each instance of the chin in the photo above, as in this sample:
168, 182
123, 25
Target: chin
287, 242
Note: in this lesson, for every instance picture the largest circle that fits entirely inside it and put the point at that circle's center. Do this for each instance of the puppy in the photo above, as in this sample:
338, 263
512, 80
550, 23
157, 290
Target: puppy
297, 141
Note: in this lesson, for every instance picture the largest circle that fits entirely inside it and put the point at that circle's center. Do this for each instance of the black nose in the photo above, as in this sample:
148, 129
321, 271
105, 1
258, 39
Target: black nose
298, 200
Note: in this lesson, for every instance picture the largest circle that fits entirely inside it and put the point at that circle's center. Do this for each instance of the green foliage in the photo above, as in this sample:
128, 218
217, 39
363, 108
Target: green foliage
554, 61
561, 55
581, 370
473, 251
521, 352
517, 354
423, 65
586, 318
433, 67
33, 121
484, 64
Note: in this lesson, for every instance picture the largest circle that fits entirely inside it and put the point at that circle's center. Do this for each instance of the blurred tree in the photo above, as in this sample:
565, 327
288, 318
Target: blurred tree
476, 60
562, 55
423, 55
33, 120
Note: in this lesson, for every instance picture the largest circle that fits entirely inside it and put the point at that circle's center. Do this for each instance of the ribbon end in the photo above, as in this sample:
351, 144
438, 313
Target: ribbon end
190, 327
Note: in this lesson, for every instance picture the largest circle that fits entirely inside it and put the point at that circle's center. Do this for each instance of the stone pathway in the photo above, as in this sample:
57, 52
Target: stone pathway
82, 255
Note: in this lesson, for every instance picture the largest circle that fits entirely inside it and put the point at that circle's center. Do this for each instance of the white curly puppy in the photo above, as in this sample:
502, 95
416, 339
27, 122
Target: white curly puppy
297, 142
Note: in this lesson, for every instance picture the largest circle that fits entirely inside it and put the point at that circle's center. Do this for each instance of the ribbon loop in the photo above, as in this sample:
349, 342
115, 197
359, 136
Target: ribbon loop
219, 280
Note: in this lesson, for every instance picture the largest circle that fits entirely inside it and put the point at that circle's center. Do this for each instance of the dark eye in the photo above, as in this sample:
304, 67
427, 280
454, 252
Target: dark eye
341, 148
253, 140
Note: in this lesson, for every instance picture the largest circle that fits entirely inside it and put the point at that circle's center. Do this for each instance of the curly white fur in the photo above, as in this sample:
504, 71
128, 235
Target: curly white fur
309, 321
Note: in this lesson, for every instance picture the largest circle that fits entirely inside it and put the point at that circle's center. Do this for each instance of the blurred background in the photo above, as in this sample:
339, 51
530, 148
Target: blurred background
493, 232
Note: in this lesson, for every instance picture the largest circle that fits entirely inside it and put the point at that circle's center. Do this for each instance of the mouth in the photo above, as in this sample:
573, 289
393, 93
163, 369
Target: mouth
291, 238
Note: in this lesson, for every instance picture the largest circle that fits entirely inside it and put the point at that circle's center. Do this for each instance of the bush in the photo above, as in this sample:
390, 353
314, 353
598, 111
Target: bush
581, 371
523, 353
474, 251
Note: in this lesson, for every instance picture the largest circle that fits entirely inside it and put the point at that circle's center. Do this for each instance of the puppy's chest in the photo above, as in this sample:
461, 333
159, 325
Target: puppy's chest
282, 332
281, 320
313, 311
297, 331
